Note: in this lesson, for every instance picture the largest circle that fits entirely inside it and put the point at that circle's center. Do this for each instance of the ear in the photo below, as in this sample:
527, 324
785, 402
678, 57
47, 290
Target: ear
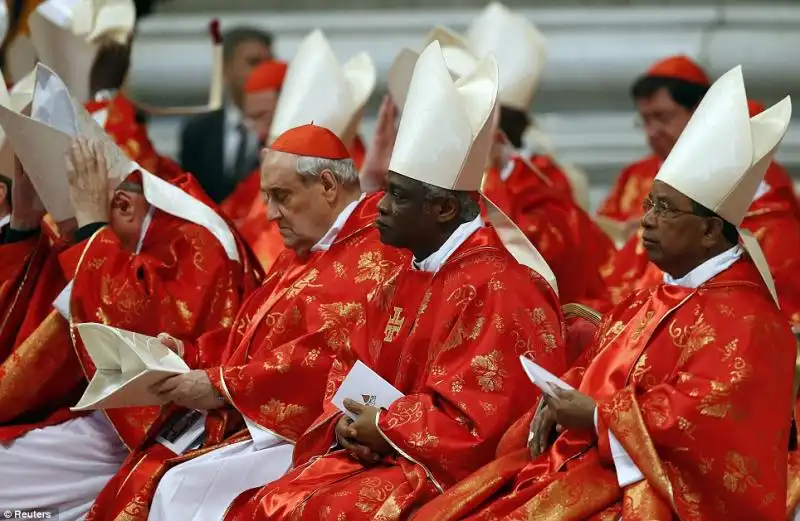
124, 206
713, 231
448, 209
4, 193
330, 185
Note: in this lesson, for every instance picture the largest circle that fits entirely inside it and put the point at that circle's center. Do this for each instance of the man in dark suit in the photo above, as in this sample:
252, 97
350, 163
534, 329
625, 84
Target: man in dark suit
218, 148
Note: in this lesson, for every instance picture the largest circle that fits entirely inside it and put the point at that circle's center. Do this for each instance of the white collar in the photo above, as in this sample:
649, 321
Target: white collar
433, 262
105, 95
507, 170
145, 226
763, 189
706, 271
325, 243
5, 220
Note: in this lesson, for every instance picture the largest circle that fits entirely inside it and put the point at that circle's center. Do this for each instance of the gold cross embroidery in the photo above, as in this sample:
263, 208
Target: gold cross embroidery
393, 327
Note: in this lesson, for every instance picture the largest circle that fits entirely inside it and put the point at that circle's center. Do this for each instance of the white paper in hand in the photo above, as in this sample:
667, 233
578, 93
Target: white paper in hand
365, 386
128, 365
541, 377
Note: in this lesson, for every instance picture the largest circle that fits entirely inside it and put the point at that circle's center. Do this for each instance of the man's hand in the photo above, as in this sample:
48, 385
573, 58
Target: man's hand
376, 163
87, 172
541, 428
174, 345
27, 209
358, 451
364, 430
192, 390
572, 409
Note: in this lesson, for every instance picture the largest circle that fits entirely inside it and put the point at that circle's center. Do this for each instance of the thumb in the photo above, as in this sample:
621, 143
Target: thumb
353, 406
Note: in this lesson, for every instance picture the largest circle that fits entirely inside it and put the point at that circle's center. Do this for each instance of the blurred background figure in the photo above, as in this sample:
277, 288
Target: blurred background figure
218, 147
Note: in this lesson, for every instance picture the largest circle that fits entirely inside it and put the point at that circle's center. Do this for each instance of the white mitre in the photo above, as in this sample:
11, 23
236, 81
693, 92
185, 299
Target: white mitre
445, 136
518, 46
457, 55
67, 35
722, 155
319, 90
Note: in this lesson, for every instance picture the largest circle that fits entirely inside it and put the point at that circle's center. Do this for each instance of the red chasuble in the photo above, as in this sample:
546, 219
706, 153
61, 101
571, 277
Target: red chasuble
181, 282
451, 344
578, 252
122, 125
246, 209
39, 374
775, 221
675, 378
279, 352
624, 201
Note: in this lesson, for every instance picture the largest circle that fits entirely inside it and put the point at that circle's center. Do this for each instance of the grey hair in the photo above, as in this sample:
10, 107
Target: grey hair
344, 170
468, 207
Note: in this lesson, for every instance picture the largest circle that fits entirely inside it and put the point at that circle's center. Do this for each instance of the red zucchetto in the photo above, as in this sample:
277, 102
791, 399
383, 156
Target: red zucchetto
311, 141
754, 107
680, 68
268, 75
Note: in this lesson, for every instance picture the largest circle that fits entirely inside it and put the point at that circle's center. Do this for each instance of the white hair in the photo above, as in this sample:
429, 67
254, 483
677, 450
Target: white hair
344, 170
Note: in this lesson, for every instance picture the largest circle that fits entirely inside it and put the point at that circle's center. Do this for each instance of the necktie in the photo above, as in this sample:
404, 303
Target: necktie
241, 165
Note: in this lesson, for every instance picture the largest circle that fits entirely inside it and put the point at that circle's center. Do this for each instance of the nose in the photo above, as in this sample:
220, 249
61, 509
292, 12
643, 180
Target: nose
649, 220
273, 212
383, 205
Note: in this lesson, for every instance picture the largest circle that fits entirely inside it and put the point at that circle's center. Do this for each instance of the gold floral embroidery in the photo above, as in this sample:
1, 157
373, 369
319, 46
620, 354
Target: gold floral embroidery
373, 492
303, 282
740, 473
340, 318
339, 269
423, 441
692, 338
278, 412
489, 372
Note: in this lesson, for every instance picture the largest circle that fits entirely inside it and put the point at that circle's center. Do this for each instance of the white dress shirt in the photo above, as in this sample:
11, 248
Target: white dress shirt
627, 471
324, 244
232, 136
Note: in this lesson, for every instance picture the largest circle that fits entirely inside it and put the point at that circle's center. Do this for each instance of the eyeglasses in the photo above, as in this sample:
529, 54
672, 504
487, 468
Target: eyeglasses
662, 209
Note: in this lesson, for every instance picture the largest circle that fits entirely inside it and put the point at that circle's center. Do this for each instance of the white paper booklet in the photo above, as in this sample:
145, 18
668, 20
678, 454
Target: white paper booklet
541, 377
128, 364
365, 386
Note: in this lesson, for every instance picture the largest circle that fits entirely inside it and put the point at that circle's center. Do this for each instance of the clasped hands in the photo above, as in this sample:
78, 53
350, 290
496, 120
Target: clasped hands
361, 437
563, 410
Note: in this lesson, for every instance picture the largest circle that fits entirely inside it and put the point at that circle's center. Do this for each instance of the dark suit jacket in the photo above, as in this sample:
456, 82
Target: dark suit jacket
202, 153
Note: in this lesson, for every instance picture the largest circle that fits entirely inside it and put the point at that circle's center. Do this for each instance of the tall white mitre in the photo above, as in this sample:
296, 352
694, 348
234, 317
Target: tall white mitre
68, 33
318, 89
445, 136
518, 46
457, 55
722, 155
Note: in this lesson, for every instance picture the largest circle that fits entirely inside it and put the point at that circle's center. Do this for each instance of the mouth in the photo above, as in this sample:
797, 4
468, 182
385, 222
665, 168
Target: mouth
648, 242
381, 225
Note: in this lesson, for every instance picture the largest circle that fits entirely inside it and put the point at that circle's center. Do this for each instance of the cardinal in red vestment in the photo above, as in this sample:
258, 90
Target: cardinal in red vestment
281, 346
773, 218
578, 251
661, 424
665, 97
245, 205
148, 271
447, 342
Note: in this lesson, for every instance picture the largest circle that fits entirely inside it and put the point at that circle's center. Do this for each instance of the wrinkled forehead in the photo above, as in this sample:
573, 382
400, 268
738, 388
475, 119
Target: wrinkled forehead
664, 192
278, 170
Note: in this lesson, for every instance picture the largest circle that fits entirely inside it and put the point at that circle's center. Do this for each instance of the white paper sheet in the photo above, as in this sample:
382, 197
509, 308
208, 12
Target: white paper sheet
365, 386
541, 377
128, 365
